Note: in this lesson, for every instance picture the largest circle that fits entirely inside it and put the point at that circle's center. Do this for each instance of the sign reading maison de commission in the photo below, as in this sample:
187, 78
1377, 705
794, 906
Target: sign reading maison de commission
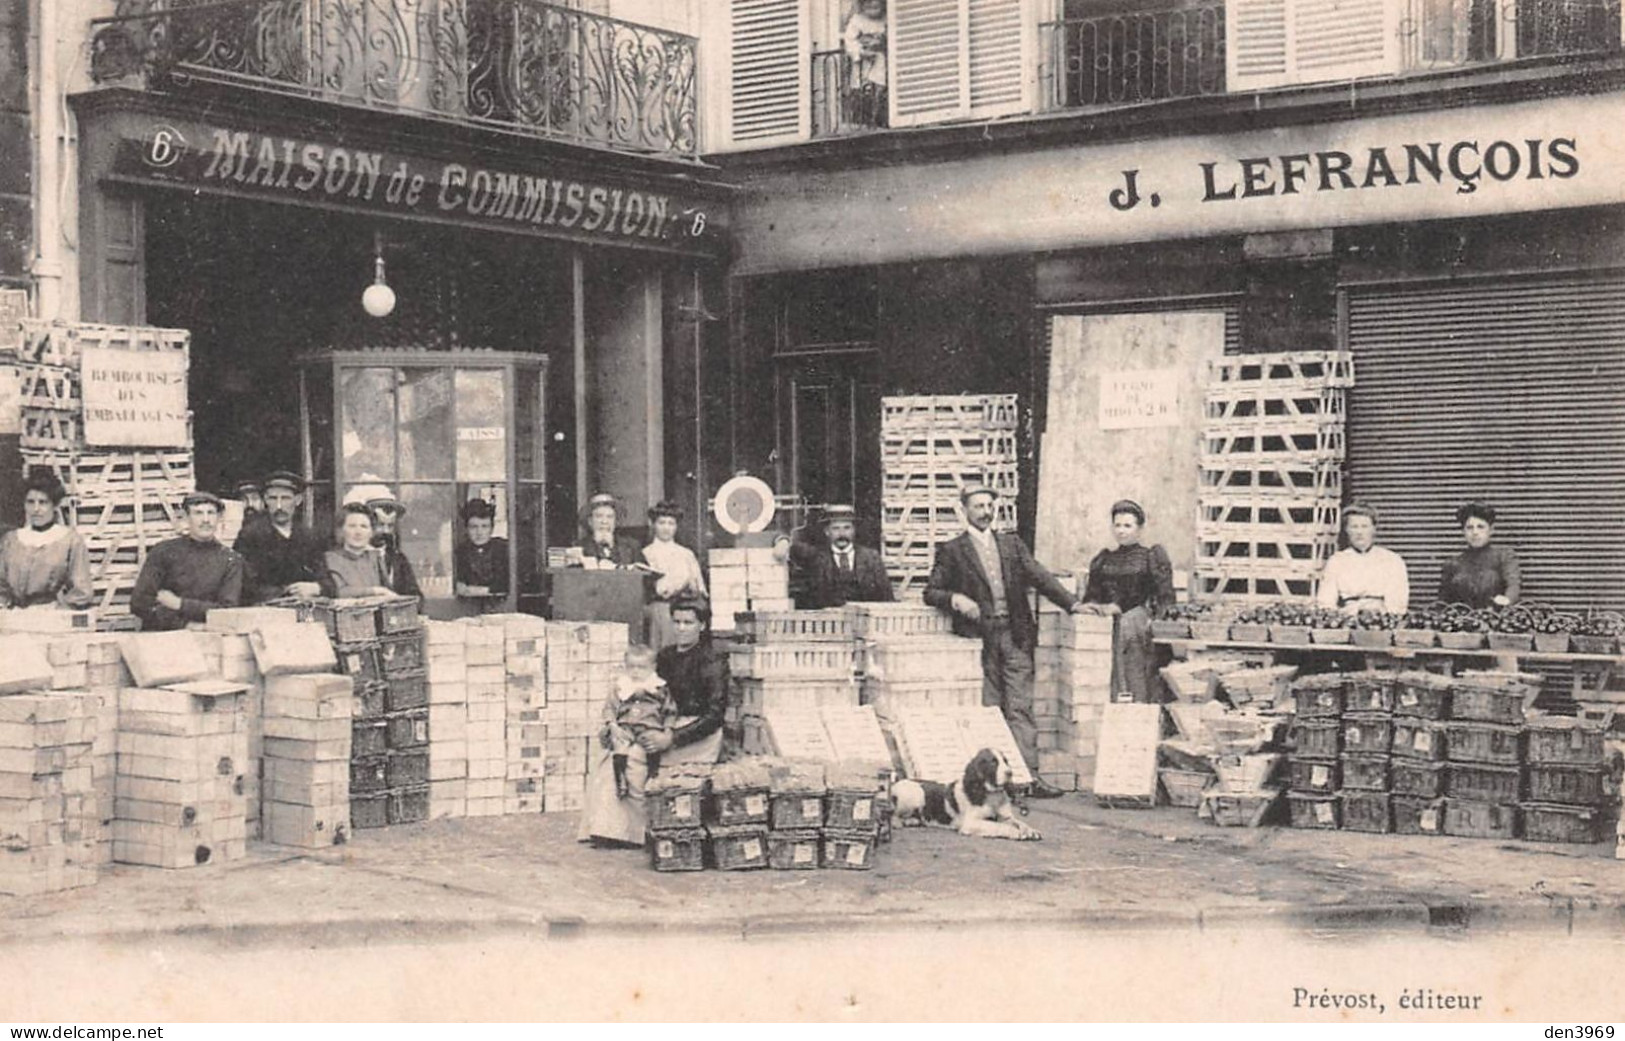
612, 210
1453, 163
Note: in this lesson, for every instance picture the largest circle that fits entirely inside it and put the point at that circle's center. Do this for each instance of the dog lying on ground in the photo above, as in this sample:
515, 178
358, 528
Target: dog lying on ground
978, 804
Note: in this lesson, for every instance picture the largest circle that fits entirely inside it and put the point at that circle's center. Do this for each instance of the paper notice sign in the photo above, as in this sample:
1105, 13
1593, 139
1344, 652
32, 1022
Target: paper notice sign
1423, 741
1323, 812
1408, 698
861, 810
1351, 736
755, 804
1320, 776
811, 809
855, 854
665, 848
682, 806
803, 853
1429, 821
750, 849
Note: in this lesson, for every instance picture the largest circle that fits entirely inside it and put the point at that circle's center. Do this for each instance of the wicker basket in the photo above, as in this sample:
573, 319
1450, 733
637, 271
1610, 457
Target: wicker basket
1319, 696
1555, 740
1369, 692
1422, 694
738, 849
1170, 629
1461, 641
1239, 809
1316, 739
1485, 703
399, 615
348, 621
370, 774
1594, 644
402, 654
1482, 743
1572, 824
1366, 773
1332, 637
1290, 635
682, 849
1313, 811
1183, 788
1368, 734
851, 811
1480, 820
1568, 785
1476, 782
371, 700
408, 730
1374, 638
1416, 778
1249, 632
1365, 811
1413, 816
1210, 632
369, 737
795, 850
739, 806
675, 805
1512, 641
792, 811
1421, 739
407, 691
408, 805
848, 851
360, 662
1315, 776
405, 769
1415, 637
369, 811
1552, 643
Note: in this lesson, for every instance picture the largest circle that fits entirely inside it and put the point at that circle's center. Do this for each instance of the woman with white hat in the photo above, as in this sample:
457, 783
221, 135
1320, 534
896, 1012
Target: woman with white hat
387, 512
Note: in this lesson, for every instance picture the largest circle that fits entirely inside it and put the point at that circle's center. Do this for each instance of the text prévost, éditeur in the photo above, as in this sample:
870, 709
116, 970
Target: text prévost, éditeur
1409, 999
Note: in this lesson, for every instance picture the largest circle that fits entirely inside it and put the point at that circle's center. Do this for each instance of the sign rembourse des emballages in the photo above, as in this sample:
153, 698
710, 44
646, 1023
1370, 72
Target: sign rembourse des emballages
240, 161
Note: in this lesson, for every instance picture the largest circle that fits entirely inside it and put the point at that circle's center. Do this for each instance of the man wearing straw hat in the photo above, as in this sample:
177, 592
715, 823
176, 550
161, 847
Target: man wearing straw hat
984, 577
841, 571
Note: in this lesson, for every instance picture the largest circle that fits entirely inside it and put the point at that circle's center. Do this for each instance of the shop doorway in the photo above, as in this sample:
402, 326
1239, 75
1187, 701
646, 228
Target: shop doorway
829, 426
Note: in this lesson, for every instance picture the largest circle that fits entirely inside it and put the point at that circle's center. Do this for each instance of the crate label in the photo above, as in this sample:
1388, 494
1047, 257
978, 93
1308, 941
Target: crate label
682, 806
1323, 812
811, 810
860, 809
855, 853
750, 849
665, 849
1408, 698
352, 662
803, 853
755, 804
1353, 735
1423, 742
1320, 776
420, 731
1376, 700
1429, 821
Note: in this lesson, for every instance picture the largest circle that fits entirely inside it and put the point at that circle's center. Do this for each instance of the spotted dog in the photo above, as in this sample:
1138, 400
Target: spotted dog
978, 804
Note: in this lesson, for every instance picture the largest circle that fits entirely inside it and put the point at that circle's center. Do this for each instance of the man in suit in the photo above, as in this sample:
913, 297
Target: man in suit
983, 578
282, 556
840, 571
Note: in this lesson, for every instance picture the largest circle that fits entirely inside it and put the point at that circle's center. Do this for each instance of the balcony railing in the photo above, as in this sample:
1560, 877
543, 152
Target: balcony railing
518, 65
1440, 34
1133, 57
842, 101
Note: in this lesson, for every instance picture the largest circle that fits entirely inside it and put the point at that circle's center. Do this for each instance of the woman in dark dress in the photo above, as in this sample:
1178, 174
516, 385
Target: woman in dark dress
479, 564
1484, 574
1133, 582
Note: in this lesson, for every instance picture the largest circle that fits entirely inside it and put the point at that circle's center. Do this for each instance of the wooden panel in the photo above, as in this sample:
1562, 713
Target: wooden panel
1084, 469
768, 79
1508, 390
928, 61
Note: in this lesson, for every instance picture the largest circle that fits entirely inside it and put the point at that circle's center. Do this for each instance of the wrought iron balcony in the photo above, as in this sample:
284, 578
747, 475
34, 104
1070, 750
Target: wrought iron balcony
1133, 56
517, 65
842, 101
1440, 34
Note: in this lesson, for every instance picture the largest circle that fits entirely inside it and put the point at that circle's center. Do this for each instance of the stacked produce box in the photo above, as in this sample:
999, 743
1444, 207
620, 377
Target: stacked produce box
1072, 687
794, 664
1339, 766
749, 579
123, 499
486, 713
49, 818
583, 661
1271, 481
524, 657
932, 449
446, 670
305, 790
228, 650
1570, 793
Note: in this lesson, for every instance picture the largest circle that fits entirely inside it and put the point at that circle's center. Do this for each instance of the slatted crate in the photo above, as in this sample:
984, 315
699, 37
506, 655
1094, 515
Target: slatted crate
880, 621
827, 626
1289, 554
958, 412
1264, 444
945, 449
108, 524
1272, 478
61, 343
119, 476
1236, 584
50, 387
50, 430
1238, 405
912, 484
1308, 370
1307, 513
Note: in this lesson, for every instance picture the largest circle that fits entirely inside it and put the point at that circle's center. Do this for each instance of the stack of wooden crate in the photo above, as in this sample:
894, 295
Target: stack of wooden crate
306, 783
745, 579
583, 661
1272, 479
49, 819
524, 661
178, 791
228, 650
932, 449
795, 663
123, 500
487, 714
447, 674
1071, 689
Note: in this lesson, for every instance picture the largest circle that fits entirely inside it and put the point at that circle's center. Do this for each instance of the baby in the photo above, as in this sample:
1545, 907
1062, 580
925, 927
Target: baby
639, 704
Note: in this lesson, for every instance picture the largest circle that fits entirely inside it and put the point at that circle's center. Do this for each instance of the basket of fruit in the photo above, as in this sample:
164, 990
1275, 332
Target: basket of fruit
1174, 622
1460, 628
1598, 632
1374, 629
1328, 625
1253, 624
1416, 630
1511, 629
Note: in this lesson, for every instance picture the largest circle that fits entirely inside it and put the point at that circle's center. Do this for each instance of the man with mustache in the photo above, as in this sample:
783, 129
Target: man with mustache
283, 557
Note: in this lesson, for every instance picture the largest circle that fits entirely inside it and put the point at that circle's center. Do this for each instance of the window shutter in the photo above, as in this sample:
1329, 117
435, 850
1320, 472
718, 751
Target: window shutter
769, 70
997, 38
927, 41
1273, 43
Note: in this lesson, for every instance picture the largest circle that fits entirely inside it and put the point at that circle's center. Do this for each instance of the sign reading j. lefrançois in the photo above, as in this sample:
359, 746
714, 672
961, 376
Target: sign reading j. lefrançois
1139, 398
632, 212
134, 398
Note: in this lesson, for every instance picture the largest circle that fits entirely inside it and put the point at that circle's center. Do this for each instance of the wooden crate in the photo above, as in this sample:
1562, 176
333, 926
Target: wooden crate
946, 449
61, 343
955, 412
912, 482
49, 387
1247, 406
1287, 369
1309, 444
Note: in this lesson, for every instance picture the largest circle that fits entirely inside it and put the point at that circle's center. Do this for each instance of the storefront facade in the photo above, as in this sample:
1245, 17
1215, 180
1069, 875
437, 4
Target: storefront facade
548, 324
1459, 234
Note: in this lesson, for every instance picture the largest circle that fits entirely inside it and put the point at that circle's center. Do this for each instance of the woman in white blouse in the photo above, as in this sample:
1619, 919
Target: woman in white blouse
1365, 576
680, 574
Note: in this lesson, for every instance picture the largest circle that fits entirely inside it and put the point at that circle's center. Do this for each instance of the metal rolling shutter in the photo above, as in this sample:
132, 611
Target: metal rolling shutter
1512, 390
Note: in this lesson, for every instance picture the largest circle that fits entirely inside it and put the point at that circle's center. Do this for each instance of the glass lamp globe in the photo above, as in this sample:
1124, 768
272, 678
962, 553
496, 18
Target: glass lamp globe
378, 300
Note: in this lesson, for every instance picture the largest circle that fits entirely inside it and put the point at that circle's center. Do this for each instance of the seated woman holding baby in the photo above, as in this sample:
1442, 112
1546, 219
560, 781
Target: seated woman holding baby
654, 719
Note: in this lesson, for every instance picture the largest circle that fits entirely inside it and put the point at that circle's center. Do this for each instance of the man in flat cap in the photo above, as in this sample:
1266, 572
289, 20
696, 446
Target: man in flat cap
283, 557
841, 571
252, 495
183, 578
983, 577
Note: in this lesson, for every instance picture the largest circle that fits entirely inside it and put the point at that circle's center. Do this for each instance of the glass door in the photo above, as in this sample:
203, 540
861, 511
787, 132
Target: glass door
440, 430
